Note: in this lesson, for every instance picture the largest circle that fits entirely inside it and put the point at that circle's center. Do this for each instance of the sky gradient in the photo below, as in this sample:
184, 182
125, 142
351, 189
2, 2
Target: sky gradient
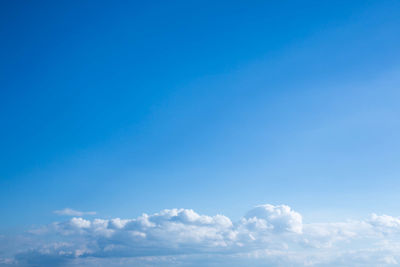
114, 109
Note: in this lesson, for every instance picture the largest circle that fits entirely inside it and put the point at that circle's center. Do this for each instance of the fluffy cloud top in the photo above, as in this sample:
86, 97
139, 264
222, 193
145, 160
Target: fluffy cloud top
280, 218
266, 235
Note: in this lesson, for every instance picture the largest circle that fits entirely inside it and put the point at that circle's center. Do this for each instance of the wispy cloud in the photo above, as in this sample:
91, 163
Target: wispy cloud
266, 235
71, 212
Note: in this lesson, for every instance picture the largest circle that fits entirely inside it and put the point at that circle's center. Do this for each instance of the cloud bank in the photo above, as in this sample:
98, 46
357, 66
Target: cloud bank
267, 235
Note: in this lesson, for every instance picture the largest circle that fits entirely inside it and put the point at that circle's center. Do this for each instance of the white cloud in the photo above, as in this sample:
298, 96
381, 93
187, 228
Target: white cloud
385, 223
266, 235
71, 212
280, 218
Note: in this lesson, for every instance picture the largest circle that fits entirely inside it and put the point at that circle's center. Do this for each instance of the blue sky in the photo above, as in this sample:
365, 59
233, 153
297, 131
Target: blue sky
127, 107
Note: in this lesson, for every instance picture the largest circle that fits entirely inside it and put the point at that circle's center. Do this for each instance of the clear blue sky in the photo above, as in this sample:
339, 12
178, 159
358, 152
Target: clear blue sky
125, 107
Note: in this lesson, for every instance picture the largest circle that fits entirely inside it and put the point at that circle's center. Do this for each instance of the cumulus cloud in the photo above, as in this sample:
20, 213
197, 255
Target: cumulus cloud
266, 235
71, 212
280, 218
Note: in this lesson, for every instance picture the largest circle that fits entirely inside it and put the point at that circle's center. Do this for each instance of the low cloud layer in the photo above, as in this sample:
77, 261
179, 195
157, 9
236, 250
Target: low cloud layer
266, 236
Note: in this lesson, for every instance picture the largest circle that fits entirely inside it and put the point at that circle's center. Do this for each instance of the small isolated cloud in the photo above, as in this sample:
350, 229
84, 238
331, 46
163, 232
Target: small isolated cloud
267, 235
71, 212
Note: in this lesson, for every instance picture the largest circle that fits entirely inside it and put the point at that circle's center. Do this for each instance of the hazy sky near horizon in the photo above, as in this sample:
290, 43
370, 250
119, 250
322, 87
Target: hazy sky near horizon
118, 108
